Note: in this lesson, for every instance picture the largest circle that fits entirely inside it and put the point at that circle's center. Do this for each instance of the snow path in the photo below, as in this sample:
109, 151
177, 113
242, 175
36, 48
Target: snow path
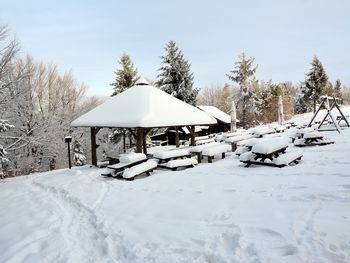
219, 212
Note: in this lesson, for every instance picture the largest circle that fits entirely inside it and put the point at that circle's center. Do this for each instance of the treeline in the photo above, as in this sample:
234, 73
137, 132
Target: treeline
256, 100
37, 105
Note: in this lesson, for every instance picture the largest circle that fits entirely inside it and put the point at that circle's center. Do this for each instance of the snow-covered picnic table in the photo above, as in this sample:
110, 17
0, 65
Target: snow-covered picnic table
210, 152
199, 148
125, 161
261, 131
234, 140
165, 156
272, 150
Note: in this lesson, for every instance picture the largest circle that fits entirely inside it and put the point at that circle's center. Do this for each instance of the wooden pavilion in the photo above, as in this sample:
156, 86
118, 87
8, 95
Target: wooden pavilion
223, 119
139, 109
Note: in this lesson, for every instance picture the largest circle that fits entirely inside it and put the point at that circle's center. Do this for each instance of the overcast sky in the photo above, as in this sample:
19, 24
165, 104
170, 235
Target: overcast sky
88, 36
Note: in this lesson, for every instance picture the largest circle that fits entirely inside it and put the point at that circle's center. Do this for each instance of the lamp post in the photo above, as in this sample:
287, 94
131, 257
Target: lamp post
68, 140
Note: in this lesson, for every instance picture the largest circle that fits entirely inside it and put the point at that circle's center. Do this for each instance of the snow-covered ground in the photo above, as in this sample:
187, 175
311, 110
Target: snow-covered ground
219, 212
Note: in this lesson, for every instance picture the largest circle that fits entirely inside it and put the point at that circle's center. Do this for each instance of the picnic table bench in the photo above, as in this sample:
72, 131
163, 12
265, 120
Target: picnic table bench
179, 163
274, 151
312, 139
197, 150
166, 156
129, 174
125, 161
260, 132
234, 140
210, 152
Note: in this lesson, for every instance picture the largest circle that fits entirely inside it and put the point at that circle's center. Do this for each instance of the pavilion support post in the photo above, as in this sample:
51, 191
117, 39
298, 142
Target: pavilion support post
145, 133
124, 141
193, 135
94, 146
139, 140
177, 140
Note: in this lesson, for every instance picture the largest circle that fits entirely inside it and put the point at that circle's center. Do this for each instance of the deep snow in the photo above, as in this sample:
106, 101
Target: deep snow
219, 212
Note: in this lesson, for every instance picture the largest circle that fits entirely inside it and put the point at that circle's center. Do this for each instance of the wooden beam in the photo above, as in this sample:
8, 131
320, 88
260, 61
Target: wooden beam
124, 141
193, 135
139, 140
315, 114
93, 132
132, 132
177, 140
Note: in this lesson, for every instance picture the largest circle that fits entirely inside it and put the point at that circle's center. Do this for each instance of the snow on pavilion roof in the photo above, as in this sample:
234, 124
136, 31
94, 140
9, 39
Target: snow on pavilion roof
216, 113
143, 106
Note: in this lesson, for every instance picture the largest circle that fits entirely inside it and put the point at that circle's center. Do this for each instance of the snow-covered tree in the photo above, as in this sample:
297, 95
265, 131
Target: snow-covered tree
243, 74
126, 76
337, 89
79, 156
175, 76
315, 84
4, 161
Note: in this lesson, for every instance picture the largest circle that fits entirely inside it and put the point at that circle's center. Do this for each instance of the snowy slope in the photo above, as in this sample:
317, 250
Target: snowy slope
219, 212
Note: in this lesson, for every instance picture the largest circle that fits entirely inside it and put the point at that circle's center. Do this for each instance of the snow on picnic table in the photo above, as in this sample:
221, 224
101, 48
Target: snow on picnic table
219, 212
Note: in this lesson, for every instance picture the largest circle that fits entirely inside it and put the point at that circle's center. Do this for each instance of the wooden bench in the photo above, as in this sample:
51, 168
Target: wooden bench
125, 161
312, 139
234, 140
268, 149
210, 152
281, 161
260, 132
142, 168
197, 150
179, 163
166, 156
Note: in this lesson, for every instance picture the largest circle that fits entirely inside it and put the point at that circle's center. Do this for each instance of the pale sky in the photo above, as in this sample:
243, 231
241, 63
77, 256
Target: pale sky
88, 36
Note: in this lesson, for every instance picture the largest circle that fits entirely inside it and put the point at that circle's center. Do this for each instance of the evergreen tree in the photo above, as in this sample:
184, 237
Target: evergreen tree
337, 89
175, 77
79, 156
315, 84
329, 89
126, 76
243, 75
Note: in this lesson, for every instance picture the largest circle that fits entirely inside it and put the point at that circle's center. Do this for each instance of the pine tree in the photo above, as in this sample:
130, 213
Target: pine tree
337, 89
243, 75
79, 156
175, 77
126, 76
315, 84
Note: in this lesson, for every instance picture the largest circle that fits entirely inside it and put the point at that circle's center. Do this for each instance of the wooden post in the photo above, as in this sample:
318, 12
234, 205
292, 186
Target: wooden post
315, 114
139, 140
144, 141
177, 141
233, 146
93, 132
191, 129
124, 141
130, 139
